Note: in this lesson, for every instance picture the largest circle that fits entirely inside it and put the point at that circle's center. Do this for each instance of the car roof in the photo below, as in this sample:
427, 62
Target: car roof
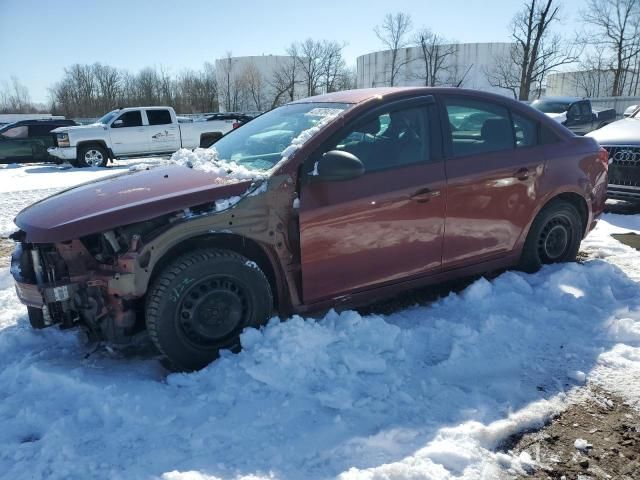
565, 99
40, 121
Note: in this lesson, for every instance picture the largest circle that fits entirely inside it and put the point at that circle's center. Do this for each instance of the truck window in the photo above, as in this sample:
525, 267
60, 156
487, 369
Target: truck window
159, 117
129, 119
585, 111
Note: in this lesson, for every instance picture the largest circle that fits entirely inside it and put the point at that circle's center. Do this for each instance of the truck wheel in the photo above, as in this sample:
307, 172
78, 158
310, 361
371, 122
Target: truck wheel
36, 318
554, 237
93, 155
200, 304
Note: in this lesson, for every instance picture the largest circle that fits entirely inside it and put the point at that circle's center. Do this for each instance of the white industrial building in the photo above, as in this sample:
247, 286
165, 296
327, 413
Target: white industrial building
247, 83
467, 65
590, 83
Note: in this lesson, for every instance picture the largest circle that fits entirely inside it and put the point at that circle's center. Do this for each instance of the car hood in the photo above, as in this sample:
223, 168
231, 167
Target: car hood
123, 199
558, 117
76, 127
622, 132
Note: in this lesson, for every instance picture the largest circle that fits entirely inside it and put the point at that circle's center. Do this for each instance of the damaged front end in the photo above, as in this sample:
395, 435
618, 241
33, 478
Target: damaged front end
67, 283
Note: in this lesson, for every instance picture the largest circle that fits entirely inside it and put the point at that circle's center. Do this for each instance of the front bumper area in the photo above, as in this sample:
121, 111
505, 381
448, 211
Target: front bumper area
624, 192
67, 153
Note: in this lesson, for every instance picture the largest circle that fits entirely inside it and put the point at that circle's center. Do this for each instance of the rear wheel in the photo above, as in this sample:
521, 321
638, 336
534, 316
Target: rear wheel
36, 318
554, 237
200, 304
92, 156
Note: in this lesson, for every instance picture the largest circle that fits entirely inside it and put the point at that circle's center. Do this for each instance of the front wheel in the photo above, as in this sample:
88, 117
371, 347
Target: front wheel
554, 237
200, 304
92, 156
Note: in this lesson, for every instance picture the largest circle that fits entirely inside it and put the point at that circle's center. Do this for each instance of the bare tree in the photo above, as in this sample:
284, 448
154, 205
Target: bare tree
333, 65
255, 84
434, 54
536, 51
311, 59
14, 97
393, 32
616, 24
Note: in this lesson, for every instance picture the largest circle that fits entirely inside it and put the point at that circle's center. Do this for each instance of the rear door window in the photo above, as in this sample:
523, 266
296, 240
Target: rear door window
40, 130
159, 117
478, 126
16, 132
526, 131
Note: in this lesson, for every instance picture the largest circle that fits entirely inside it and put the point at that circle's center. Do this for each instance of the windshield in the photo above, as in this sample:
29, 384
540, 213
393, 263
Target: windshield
546, 106
262, 142
108, 117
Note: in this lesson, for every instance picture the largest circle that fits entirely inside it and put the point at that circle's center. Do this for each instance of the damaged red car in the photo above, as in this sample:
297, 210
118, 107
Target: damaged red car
330, 201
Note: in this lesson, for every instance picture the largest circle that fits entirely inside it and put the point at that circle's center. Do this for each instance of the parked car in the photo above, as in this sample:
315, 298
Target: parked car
28, 140
630, 110
374, 193
132, 132
233, 119
575, 113
622, 140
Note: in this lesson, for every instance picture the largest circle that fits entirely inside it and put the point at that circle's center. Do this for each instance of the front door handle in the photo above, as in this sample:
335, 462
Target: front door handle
522, 174
424, 195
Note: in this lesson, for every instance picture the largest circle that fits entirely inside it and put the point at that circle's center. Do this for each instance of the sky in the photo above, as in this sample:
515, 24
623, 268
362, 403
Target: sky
39, 38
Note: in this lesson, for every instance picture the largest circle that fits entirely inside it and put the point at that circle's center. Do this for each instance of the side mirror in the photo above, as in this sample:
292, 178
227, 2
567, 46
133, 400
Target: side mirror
336, 165
117, 123
629, 111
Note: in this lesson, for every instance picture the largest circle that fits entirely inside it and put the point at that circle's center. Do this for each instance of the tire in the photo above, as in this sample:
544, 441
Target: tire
92, 155
554, 237
200, 304
36, 318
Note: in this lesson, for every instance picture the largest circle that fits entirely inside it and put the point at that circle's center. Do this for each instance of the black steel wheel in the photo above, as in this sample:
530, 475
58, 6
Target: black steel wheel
554, 237
202, 302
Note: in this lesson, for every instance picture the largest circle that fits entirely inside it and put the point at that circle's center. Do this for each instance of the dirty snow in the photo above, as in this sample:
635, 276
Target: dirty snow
327, 115
428, 392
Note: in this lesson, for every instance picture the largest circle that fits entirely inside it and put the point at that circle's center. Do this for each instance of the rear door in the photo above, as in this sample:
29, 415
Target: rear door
41, 138
164, 134
128, 134
492, 179
386, 225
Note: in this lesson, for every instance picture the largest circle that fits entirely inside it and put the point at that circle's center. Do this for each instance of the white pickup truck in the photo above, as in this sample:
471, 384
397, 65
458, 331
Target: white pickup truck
132, 132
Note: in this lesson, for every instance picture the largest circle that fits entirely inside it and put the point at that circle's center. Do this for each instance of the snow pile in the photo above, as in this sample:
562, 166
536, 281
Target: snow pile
328, 116
582, 444
207, 160
427, 392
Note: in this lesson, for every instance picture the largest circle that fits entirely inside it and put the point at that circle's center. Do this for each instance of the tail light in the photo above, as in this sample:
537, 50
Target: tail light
235, 125
603, 156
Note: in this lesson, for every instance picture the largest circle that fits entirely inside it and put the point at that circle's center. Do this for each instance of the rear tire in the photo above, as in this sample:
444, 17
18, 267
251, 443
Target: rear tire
92, 155
554, 237
36, 318
200, 304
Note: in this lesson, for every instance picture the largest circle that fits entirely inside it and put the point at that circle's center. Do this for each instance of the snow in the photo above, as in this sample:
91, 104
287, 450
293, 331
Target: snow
207, 160
427, 392
326, 115
582, 444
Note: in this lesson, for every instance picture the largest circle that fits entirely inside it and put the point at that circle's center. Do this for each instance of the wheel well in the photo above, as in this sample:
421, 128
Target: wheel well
236, 243
579, 203
102, 143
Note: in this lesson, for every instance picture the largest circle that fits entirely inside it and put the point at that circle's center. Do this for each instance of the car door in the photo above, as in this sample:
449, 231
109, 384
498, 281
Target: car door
492, 180
164, 135
128, 134
15, 145
579, 118
386, 225
41, 139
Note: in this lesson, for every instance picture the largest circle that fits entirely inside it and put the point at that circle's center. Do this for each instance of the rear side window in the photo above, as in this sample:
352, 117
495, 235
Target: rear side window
526, 131
41, 130
391, 139
16, 132
584, 109
477, 126
129, 119
159, 117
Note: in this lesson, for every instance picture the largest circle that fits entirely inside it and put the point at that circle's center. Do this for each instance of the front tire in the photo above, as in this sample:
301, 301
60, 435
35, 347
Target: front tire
93, 155
554, 237
200, 304
36, 318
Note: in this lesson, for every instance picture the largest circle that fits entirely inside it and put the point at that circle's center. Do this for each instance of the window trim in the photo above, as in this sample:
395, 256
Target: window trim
431, 113
147, 110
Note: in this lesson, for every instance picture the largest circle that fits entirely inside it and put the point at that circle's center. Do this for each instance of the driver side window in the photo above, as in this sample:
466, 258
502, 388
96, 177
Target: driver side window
389, 140
129, 119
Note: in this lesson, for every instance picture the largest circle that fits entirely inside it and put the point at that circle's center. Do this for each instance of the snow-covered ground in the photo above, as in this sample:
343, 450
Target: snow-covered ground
428, 392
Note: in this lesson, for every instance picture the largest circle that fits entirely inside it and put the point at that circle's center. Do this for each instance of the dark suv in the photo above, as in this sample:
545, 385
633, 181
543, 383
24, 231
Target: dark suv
28, 140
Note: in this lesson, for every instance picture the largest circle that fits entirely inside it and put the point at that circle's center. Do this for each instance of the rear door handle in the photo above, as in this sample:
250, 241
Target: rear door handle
522, 174
424, 195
